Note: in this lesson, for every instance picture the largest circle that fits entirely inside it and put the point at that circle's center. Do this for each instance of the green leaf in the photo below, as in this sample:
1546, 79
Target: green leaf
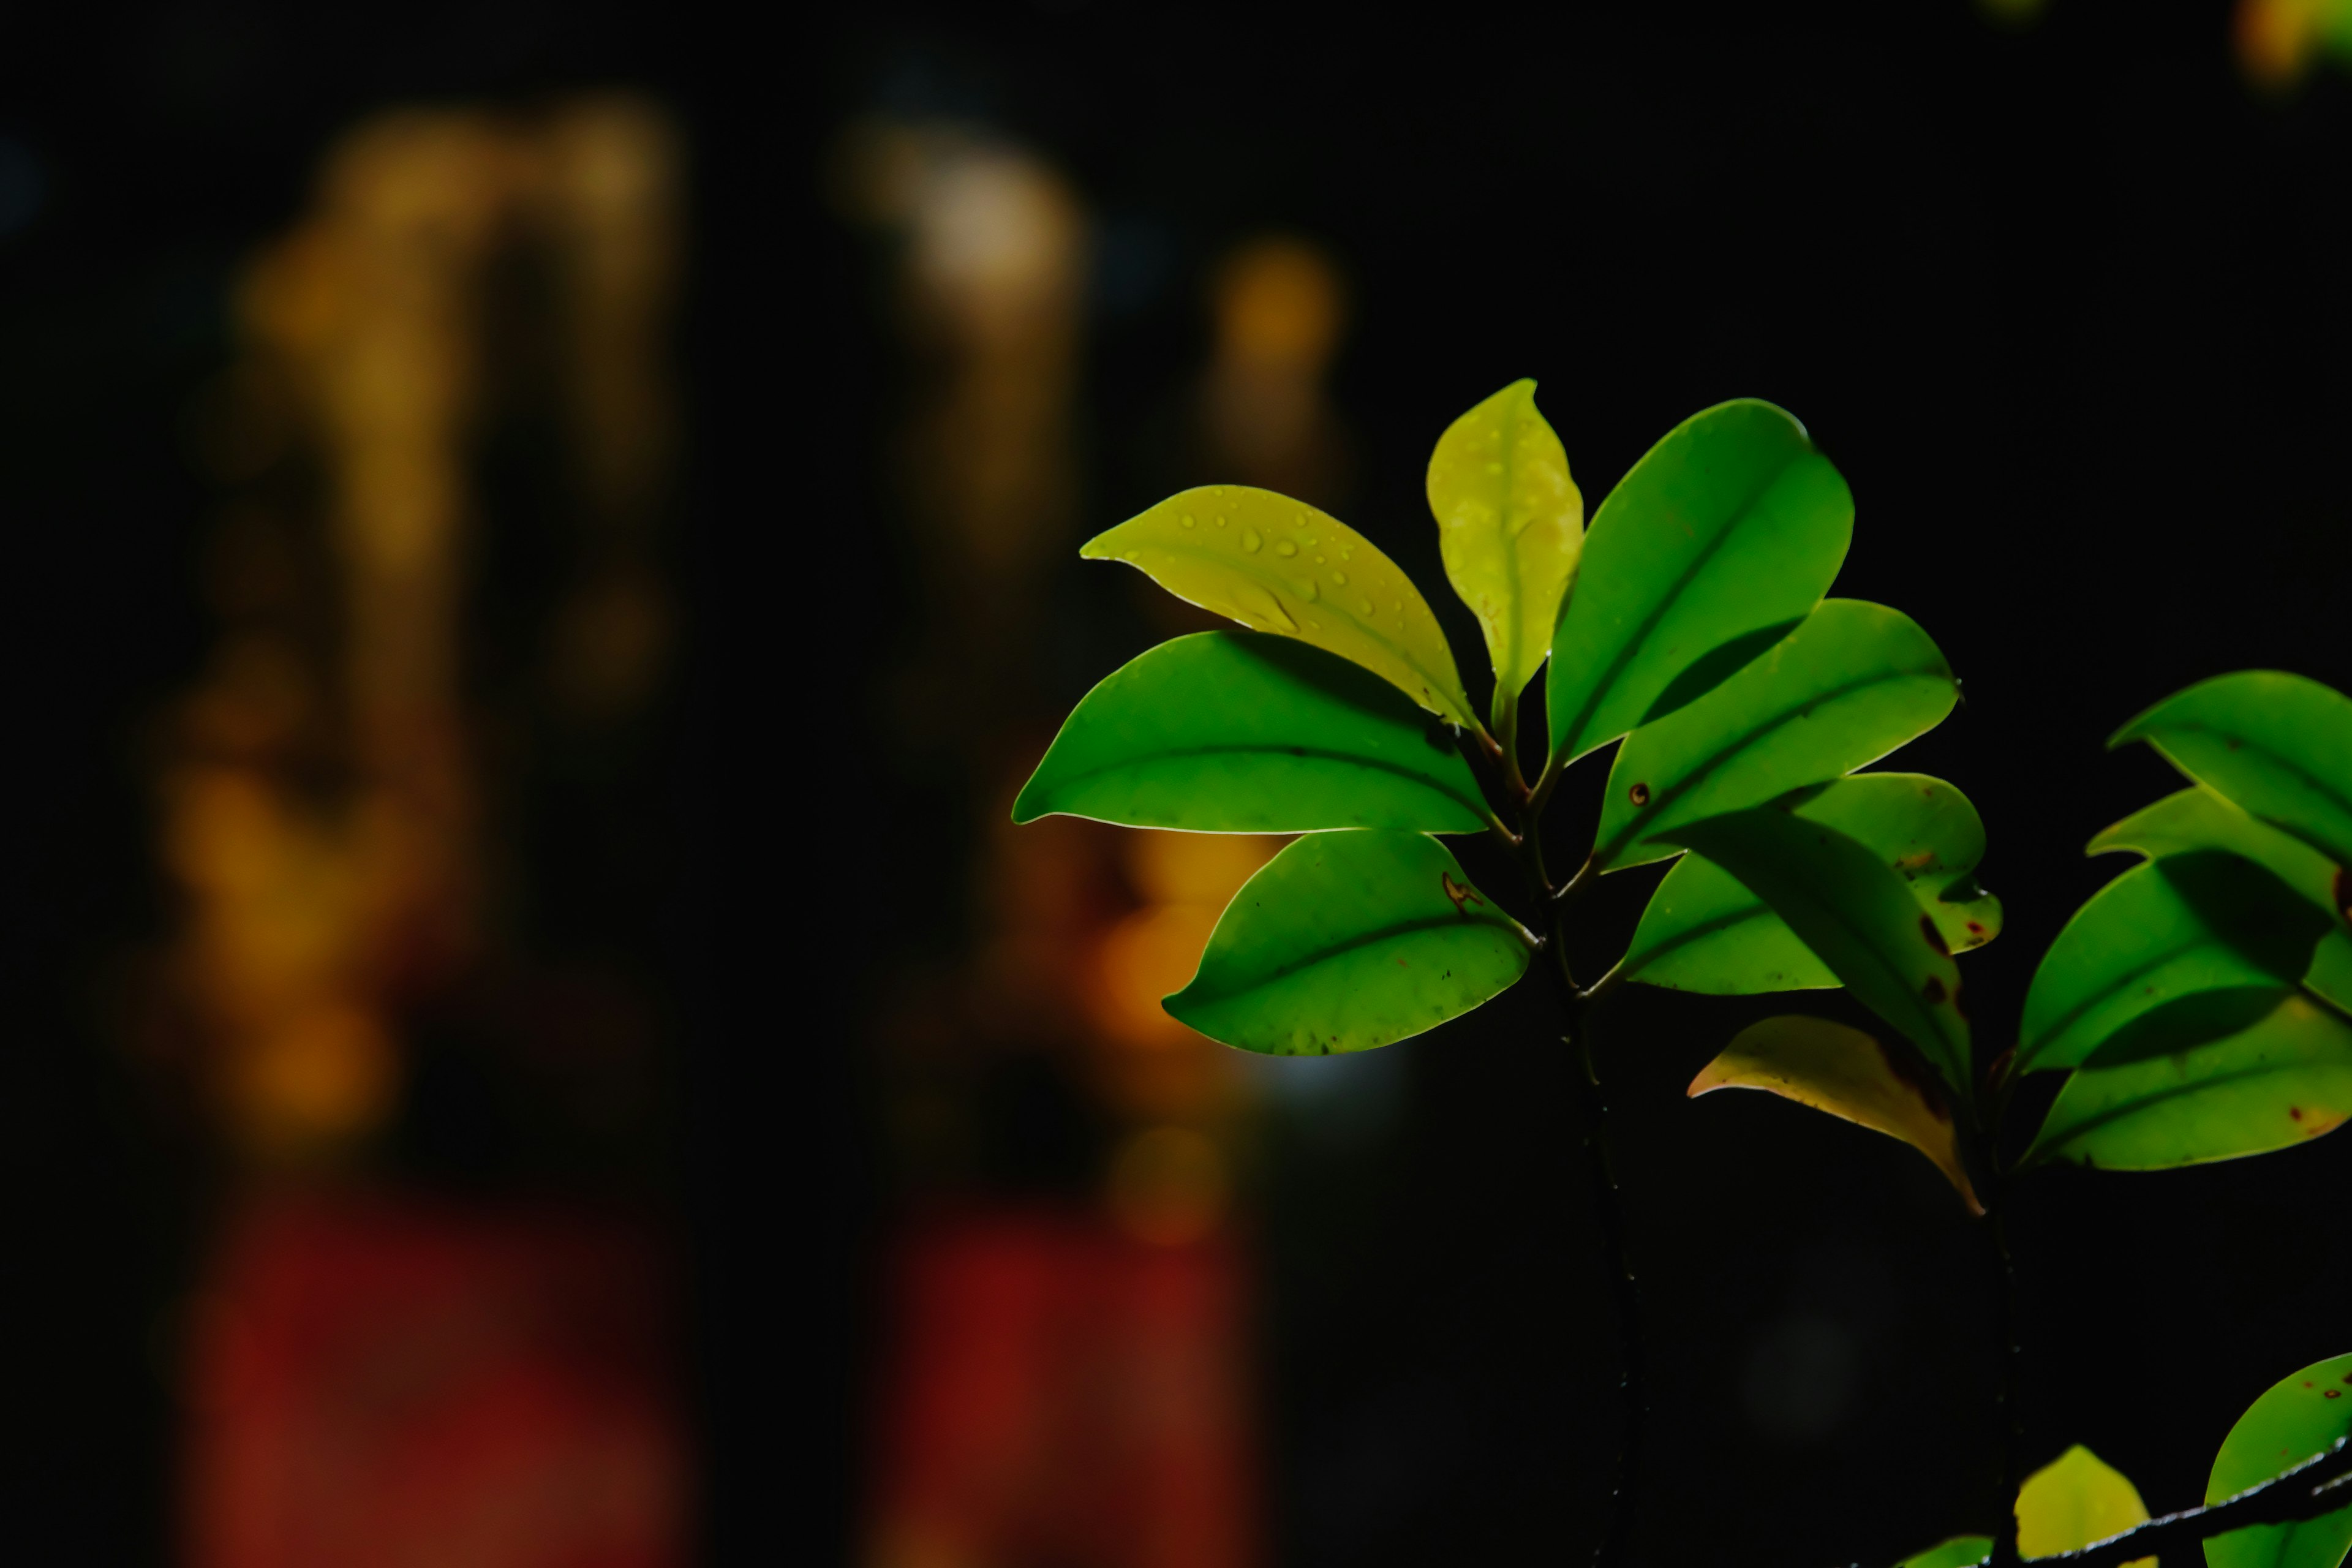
2279, 745
1348, 941
1510, 524
1731, 525
1857, 916
2202, 920
1848, 1074
1705, 931
1279, 565
2300, 1417
2284, 1079
1239, 732
1852, 683
1960, 1552
2197, 818
2074, 1500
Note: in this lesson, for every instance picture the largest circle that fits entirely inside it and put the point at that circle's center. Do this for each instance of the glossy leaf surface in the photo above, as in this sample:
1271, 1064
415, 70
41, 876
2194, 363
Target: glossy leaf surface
2197, 818
1852, 683
1510, 524
1240, 733
1348, 941
1281, 566
2074, 1500
2285, 1077
2299, 1417
2279, 745
1732, 525
2200, 921
1848, 1074
1858, 917
1705, 931
1960, 1552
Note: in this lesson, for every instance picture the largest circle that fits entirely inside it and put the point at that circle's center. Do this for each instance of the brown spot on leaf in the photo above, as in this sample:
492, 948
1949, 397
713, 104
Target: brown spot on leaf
2331, 1393
1934, 990
1934, 938
1909, 1073
1462, 893
2295, 1111
1639, 793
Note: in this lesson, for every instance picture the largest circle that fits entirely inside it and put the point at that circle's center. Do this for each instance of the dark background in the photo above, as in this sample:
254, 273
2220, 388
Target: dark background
2067, 303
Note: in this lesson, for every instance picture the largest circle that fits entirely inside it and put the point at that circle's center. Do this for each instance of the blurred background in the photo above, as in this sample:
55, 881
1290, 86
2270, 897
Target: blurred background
543, 542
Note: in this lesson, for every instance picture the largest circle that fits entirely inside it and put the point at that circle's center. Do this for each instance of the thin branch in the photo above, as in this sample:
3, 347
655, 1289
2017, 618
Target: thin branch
2322, 1484
1585, 876
1605, 984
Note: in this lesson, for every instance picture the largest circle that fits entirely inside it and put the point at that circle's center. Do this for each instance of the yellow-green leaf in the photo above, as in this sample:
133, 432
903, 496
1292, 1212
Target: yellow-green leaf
2074, 1500
1510, 524
1850, 1075
1279, 565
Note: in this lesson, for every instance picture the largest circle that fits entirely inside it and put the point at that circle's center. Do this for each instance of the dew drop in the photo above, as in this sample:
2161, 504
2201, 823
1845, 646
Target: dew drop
1283, 547
1299, 522
1189, 521
1318, 560
1128, 555
1220, 522
1250, 540
1340, 577
1363, 606
1310, 592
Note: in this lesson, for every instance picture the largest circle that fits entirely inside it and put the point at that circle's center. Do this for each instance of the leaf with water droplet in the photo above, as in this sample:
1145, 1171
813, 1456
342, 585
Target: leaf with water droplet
1231, 574
1349, 941
2303, 1416
1848, 1074
1510, 524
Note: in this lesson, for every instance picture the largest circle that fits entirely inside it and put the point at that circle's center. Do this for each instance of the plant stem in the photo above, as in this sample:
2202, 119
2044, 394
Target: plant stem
2010, 1436
1592, 1115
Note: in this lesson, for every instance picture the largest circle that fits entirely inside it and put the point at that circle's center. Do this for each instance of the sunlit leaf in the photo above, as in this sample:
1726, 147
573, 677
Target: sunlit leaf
2074, 1500
2283, 1079
1729, 529
1857, 916
1279, 565
2300, 1417
1849, 1073
1510, 524
1705, 931
1238, 732
1852, 683
2198, 921
2197, 818
1960, 1552
2279, 745
1348, 941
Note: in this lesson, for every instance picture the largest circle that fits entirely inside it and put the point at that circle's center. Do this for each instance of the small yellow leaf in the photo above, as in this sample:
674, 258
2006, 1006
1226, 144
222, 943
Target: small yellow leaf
1510, 524
1848, 1074
2074, 1500
1279, 565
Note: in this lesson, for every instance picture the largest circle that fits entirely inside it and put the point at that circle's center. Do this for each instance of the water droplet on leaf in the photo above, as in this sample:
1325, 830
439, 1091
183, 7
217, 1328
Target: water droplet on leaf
1250, 540
1283, 547
1189, 521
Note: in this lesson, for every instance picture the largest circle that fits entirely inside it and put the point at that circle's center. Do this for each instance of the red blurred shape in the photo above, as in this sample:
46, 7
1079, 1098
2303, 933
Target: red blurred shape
380, 1384
1063, 1394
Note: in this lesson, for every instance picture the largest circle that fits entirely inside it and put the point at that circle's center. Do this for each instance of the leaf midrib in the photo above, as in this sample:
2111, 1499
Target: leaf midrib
1636, 827
1448, 921
2311, 781
2073, 1016
1476, 808
2168, 1092
1444, 690
1633, 644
